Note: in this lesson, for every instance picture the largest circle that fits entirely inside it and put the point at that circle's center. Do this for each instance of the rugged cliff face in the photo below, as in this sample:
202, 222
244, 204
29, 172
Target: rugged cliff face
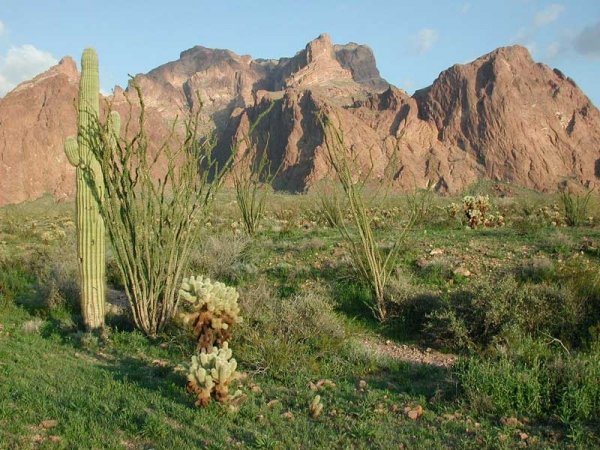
522, 122
35, 118
501, 117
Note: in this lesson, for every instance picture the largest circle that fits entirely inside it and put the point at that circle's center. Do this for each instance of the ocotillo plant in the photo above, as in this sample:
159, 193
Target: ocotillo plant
90, 226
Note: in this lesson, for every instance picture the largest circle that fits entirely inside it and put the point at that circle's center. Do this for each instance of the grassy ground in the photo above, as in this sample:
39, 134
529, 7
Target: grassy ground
306, 321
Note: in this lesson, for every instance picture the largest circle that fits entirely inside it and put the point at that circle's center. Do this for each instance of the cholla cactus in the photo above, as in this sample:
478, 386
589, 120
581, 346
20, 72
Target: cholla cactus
211, 374
210, 308
552, 215
475, 209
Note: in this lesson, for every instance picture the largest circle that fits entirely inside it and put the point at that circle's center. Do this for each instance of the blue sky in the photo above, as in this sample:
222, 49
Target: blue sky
413, 40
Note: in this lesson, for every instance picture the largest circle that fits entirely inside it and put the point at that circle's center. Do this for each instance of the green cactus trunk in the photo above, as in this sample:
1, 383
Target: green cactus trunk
90, 226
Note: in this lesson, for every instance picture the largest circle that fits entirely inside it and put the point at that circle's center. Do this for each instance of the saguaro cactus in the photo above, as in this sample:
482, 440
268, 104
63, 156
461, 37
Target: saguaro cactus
90, 226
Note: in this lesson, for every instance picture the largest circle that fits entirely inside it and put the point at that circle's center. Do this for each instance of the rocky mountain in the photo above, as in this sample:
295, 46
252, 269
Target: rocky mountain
502, 117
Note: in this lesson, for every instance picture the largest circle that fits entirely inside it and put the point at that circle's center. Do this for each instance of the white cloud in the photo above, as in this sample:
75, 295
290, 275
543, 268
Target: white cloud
553, 50
2, 28
465, 8
548, 15
527, 35
22, 63
587, 42
424, 40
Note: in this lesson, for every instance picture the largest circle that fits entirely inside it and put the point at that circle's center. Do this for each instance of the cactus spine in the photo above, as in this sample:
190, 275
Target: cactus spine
90, 226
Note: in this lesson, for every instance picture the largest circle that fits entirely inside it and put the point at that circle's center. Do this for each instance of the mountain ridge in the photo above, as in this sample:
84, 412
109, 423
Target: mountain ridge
501, 117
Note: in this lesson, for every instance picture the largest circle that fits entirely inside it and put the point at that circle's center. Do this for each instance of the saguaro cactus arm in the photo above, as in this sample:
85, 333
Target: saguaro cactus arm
72, 151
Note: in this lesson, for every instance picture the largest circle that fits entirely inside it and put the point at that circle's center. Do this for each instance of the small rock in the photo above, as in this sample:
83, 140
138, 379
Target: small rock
361, 385
255, 388
510, 421
463, 272
272, 403
288, 415
422, 263
523, 436
436, 252
414, 413
160, 362
47, 424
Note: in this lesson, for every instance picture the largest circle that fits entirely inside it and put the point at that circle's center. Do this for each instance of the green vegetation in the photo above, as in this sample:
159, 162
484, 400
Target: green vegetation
154, 203
373, 265
520, 306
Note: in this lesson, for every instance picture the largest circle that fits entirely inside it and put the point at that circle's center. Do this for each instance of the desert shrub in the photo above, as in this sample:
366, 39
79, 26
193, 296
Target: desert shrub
252, 177
410, 306
373, 264
209, 310
536, 269
420, 204
482, 314
551, 215
58, 286
575, 207
221, 256
533, 377
330, 207
292, 334
16, 280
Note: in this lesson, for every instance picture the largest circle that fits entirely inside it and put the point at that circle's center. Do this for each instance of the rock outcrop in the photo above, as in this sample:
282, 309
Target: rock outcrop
35, 118
501, 117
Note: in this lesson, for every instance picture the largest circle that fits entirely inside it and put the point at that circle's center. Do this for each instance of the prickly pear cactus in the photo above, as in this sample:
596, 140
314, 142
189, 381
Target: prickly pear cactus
210, 309
90, 226
211, 375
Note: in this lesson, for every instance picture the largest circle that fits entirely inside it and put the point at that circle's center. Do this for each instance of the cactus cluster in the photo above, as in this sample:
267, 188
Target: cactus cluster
211, 374
210, 309
476, 211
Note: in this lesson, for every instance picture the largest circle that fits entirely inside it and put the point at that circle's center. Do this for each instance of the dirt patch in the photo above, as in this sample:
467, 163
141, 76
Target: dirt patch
409, 353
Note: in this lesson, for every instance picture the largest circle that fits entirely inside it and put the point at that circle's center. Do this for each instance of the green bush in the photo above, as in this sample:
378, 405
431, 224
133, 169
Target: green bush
534, 378
483, 313
288, 335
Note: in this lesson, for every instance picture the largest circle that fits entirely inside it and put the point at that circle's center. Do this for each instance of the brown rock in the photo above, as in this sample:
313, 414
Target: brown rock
47, 424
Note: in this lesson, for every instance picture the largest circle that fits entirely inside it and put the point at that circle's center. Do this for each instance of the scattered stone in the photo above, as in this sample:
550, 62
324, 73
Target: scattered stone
463, 272
47, 424
271, 404
288, 415
436, 252
510, 422
160, 362
321, 384
414, 413
361, 385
